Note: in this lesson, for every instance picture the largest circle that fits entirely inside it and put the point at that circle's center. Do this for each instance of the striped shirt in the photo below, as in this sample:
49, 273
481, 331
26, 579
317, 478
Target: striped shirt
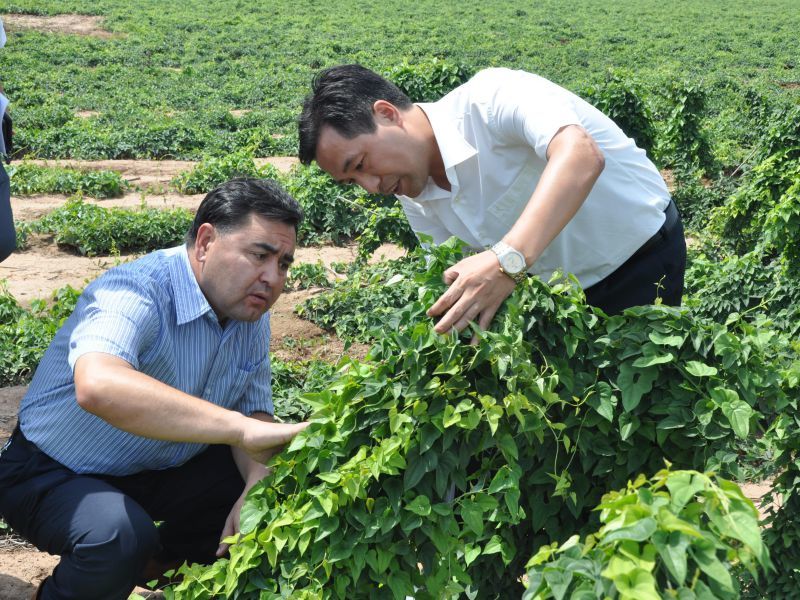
152, 314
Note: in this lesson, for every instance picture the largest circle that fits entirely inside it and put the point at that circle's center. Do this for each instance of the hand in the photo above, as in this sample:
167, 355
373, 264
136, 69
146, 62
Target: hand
477, 289
232, 523
262, 439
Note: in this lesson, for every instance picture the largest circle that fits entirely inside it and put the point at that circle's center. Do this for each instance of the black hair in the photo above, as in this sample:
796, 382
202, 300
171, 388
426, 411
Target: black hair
230, 205
342, 97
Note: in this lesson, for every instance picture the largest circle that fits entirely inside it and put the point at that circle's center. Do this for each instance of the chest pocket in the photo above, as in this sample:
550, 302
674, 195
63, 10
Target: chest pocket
508, 207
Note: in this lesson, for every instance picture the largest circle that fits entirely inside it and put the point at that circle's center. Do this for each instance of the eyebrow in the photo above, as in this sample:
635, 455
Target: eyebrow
272, 250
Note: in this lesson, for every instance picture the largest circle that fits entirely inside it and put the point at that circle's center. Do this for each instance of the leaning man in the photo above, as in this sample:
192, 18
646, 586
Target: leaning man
533, 178
153, 403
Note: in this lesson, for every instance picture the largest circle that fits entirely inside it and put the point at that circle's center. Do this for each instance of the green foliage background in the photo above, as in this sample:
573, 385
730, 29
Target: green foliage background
165, 82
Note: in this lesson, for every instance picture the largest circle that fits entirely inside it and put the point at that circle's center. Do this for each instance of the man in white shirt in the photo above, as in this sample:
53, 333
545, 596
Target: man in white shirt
531, 176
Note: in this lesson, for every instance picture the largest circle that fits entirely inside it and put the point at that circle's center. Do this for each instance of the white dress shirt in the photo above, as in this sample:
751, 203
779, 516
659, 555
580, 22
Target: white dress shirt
493, 133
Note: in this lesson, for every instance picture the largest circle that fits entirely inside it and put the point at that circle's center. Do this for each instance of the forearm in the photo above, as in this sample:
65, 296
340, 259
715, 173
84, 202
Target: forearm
111, 389
574, 164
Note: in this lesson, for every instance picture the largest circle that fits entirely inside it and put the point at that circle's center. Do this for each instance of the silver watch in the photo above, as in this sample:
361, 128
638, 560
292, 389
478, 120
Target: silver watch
512, 262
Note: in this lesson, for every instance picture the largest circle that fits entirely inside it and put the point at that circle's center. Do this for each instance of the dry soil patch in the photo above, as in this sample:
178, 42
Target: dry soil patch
148, 174
66, 24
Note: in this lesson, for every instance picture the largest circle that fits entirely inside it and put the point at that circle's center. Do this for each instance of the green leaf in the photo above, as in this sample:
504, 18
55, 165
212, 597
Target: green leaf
706, 558
418, 468
699, 369
639, 584
634, 383
558, 581
330, 477
420, 506
739, 414
472, 515
471, 552
494, 545
672, 549
654, 359
664, 339
639, 531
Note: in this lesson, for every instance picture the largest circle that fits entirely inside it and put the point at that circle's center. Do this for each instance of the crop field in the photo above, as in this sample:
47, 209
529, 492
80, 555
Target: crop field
567, 454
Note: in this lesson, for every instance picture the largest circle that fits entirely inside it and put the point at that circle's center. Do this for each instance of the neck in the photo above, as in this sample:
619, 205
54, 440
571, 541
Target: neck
435, 162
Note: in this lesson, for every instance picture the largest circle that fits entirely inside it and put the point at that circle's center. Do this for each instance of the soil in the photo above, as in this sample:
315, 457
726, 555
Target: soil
63, 24
43, 268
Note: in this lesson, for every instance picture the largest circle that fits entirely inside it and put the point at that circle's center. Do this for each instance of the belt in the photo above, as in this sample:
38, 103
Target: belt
672, 219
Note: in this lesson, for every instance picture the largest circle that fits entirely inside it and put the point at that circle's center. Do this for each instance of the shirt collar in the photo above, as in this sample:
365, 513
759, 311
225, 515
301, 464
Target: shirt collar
452, 145
190, 303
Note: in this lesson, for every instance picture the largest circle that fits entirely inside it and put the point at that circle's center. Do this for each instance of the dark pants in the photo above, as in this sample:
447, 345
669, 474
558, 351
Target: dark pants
103, 527
654, 271
8, 236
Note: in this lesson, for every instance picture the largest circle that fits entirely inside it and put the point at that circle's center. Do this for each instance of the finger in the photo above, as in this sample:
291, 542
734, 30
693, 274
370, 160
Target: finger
227, 531
450, 275
486, 317
458, 317
445, 301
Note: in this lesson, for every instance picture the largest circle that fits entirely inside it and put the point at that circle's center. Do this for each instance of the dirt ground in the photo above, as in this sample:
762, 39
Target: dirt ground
65, 24
42, 269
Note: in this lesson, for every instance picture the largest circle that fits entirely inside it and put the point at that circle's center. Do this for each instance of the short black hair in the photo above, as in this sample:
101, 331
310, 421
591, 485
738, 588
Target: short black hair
229, 206
342, 97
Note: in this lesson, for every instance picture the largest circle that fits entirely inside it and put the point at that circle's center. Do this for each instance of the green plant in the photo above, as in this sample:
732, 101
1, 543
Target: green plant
430, 468
26, 333
366, 302
681, 139
213, 171
290, 380
305, 275
94, 230
620, 98
428, 81
677, 535
28, 178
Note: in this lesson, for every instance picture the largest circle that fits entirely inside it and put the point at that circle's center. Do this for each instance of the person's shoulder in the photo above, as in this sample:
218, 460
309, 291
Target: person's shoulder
150, 272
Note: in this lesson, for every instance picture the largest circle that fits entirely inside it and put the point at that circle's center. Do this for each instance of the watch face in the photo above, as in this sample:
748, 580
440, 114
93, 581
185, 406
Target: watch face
513, 262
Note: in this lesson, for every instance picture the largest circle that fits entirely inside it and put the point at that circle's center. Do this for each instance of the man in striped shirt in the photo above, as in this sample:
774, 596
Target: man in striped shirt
153, 403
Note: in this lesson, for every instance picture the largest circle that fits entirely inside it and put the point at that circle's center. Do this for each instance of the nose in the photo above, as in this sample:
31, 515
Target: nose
272, 275
371, 183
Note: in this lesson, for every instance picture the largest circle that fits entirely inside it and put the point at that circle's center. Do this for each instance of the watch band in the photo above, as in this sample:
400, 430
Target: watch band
509, 257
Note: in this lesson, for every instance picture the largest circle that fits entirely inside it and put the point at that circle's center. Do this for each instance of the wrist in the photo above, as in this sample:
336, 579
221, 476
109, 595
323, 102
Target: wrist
512, 262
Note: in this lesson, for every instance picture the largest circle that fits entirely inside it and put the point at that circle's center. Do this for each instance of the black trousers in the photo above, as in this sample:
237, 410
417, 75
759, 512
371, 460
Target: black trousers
656, 270
8, 236
103, 526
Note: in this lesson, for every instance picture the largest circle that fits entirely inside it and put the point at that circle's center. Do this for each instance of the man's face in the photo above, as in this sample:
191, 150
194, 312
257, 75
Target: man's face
242, 272
387, 161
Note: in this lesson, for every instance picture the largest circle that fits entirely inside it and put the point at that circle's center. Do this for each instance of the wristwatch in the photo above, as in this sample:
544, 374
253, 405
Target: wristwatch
512, 262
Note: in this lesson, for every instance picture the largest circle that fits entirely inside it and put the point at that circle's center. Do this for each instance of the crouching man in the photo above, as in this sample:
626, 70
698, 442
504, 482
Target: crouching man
153, 403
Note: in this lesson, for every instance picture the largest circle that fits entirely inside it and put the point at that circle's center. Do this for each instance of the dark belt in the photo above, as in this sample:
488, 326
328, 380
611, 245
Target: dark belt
672, 219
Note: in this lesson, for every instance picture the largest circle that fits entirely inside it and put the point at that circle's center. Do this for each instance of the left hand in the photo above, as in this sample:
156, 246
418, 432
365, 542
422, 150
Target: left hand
232, 522
477, 289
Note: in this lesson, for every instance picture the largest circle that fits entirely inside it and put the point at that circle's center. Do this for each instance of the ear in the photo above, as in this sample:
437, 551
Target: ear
206, 235
386, 113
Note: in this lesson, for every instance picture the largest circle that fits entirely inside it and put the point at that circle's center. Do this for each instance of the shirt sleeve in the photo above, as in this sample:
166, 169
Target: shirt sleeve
118, 315
526, 108
257, 396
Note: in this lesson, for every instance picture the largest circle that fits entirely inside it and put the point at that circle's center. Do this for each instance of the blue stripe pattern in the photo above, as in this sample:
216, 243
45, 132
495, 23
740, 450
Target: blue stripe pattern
152, 314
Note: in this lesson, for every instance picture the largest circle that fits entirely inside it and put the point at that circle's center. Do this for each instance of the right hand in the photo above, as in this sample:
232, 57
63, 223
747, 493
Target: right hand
261, 439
